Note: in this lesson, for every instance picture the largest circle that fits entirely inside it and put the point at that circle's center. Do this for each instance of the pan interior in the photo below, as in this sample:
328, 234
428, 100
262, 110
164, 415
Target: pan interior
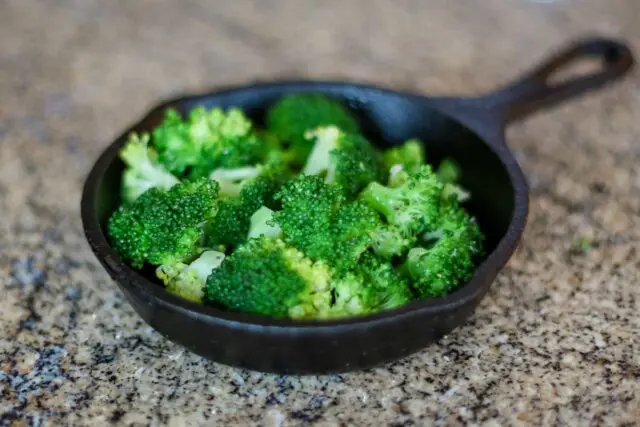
387, 119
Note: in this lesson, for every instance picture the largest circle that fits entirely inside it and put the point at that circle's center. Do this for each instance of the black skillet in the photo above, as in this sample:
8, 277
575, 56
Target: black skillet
469, 129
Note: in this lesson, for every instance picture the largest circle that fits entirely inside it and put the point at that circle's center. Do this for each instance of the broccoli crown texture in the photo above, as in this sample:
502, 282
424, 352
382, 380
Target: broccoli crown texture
164, 226
374, 285
267, 277
413, 206
449, 254
295, 114
346, 159
207, 139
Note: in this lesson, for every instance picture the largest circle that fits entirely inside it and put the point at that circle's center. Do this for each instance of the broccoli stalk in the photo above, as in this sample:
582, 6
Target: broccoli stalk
188, 280
142, 171
243, 191
347, 160
408, 156
261, 224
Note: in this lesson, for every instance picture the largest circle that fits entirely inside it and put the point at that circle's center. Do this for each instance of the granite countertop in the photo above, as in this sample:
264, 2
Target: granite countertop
554, 342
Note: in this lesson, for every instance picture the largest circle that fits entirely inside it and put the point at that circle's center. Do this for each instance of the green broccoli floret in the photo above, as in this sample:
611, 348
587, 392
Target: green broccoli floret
164, 226
410, 156
142, 171
267, 277
188, 280
449, 173
308, 208
316, 218
413, 206
243, 192
450, 253
295, 114
348, 160
374, 285
206, 140
262, 224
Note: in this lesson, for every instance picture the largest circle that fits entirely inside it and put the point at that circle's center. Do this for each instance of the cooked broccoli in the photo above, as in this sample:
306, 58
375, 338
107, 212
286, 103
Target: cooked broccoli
262, 224
142, 171
303, 218
410, 156
243, 191
449, 173
207, 139
348, 160
265, 276
295, 114
449, 256
188, 280
413, 206
374, 285
164, 226
316, 218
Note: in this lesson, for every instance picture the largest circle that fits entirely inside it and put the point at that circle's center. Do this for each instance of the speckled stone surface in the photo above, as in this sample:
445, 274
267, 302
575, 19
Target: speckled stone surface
554, 343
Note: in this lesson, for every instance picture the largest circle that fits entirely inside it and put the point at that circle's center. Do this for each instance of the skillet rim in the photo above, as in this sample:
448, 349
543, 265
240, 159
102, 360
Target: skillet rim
475, 288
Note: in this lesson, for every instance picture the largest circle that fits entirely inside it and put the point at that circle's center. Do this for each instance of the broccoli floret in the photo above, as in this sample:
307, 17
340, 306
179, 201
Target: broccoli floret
413, 206
308, 208
241, 198
346, 159
164, 226
410, 156
316, 218
374, 285
188, 280
142, 171
450, 253
262, 224
267, 277
295, 114
206, 140
449, 173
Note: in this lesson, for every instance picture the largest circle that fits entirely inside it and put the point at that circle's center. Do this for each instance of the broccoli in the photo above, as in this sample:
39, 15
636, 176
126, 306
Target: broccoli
261, 223
205, 140
348, 160
410, 156
449, 173
450, 253
188, 280
164, 226
374, 285
413, 206
243, 191
295, 114
302, 218
316, 218
308, 207
267, 277
142, 170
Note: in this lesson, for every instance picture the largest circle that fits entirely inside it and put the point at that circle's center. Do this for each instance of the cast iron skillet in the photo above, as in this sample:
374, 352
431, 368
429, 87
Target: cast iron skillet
469, 129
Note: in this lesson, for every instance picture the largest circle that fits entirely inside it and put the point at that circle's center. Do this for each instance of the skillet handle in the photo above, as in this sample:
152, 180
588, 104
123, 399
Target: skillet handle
534, 90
